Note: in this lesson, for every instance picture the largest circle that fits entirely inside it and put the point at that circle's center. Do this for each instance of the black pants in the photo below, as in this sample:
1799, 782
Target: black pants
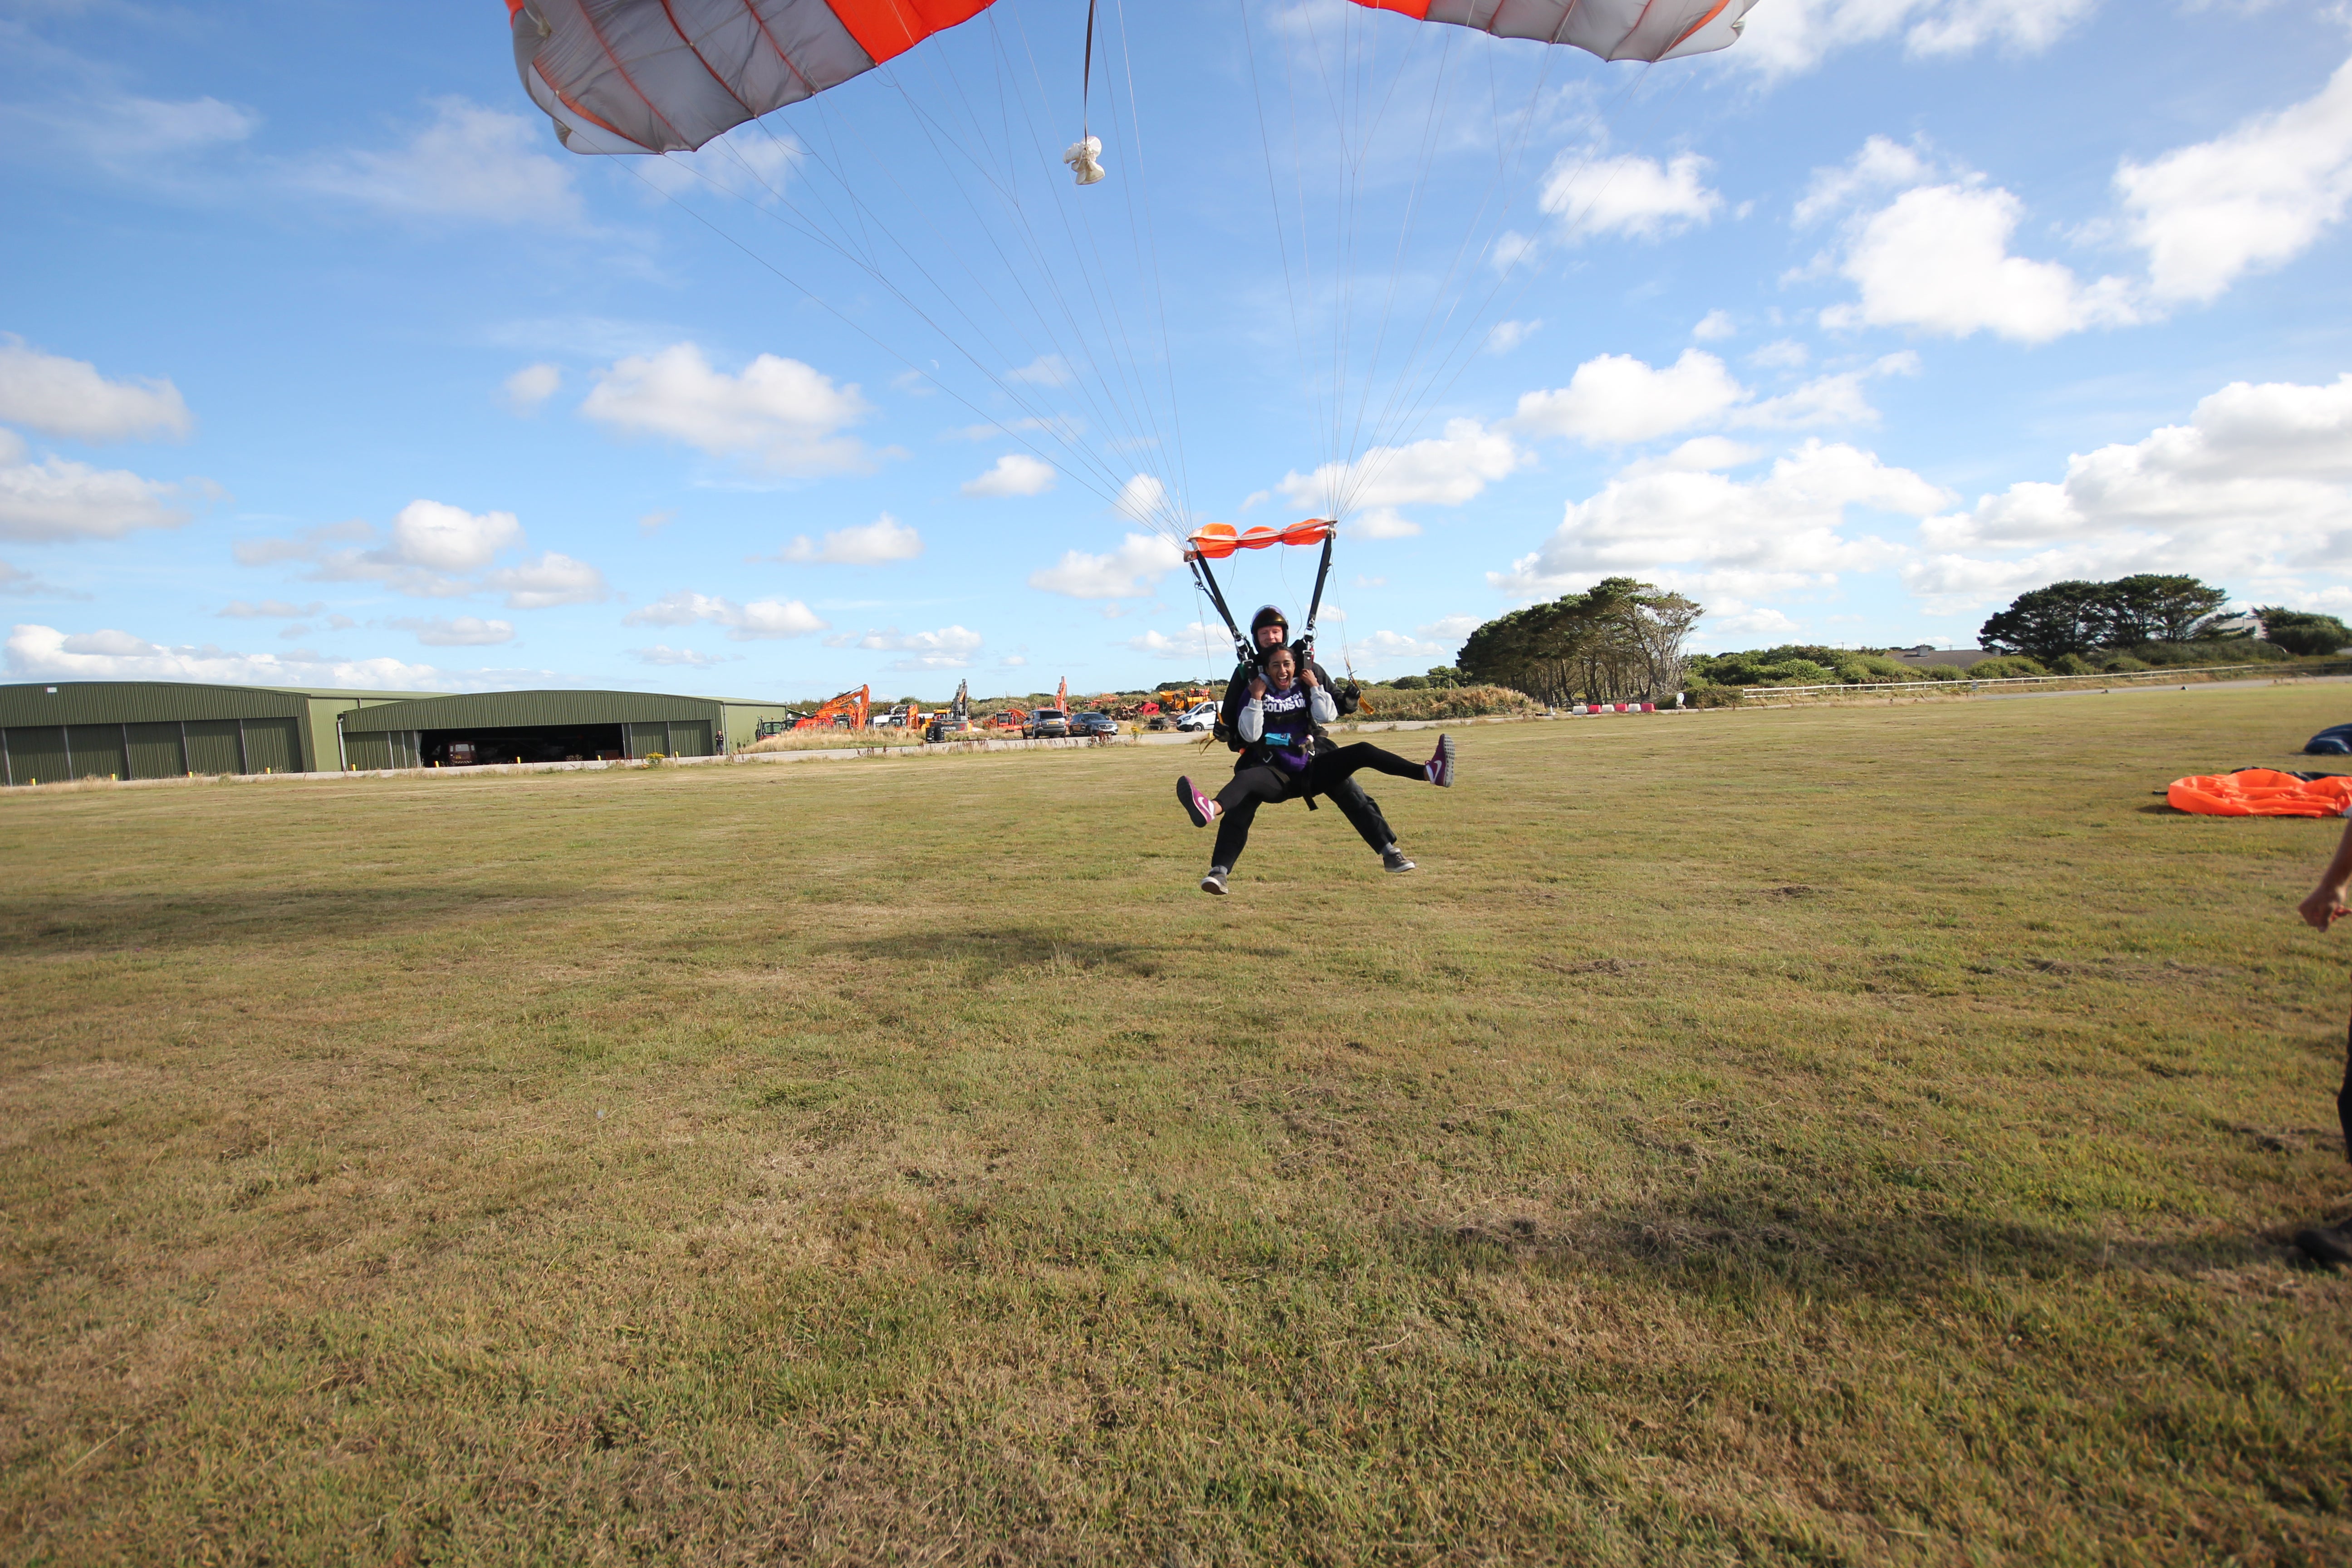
1253, 786
2344, 1099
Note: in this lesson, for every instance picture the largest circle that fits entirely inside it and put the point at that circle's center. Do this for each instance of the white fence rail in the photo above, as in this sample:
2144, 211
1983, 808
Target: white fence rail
2119, 678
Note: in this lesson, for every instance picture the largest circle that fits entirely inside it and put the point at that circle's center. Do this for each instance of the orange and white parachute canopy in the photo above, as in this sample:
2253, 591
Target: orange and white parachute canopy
664, 76
1220, 540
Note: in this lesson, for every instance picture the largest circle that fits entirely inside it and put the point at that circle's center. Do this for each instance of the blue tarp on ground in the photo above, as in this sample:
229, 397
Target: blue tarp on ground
2335, 741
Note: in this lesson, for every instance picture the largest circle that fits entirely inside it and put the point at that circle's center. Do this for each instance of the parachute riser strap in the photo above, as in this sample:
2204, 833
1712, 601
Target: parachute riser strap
1208, 579
1315, 605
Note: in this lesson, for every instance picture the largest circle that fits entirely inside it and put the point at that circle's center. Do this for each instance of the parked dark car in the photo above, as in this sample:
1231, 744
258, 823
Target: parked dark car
1093, 724
948, 727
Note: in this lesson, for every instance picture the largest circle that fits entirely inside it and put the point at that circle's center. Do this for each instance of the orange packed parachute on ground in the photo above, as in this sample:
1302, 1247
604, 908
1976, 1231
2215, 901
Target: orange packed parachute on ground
2261, 792
665, 76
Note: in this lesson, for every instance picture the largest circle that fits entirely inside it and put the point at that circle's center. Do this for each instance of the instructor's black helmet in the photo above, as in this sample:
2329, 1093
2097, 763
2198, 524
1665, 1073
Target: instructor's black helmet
1269, 615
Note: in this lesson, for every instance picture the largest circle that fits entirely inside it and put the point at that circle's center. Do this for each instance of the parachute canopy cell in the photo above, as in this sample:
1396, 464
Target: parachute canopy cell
1614, 29
664, 75
667, 76
1220, 540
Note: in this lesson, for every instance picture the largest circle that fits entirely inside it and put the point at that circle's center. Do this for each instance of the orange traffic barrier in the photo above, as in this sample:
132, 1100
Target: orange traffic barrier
2259, 792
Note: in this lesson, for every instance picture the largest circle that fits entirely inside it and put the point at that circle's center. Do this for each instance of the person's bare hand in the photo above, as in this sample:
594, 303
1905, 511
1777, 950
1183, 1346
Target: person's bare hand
2322, 908
1307, 677
1257, 687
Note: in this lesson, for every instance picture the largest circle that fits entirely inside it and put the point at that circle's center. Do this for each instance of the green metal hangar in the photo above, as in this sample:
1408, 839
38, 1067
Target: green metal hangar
162, 728
486, 727
167, 728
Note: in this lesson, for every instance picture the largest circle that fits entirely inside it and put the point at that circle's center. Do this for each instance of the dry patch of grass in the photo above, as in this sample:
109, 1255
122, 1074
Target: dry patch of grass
1826, 1135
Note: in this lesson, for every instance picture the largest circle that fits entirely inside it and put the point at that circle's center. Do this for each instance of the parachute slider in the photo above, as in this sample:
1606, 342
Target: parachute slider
1217, 540
1085, 159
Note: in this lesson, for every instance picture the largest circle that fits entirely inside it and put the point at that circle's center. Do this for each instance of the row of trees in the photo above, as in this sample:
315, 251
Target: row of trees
1619, 641
2077, 617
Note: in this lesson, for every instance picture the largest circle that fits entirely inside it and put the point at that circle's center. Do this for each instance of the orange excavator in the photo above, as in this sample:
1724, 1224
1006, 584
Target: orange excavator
851, 705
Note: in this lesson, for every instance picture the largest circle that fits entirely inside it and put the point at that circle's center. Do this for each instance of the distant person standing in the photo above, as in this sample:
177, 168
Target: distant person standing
2332, 1244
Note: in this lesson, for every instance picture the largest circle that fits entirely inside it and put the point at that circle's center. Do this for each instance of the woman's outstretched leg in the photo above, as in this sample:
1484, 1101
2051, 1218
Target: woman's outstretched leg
1333, 766
1232, 810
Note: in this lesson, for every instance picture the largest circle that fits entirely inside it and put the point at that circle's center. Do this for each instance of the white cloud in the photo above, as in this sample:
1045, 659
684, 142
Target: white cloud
464, 631
950, 648
1192, 643
663, 654
751, 163
1783, 353
17, 583
1508, 335
434, 550
1015, 474
550, 581
1697, 527
779, 415
443, 538
38, 651
762, 618
1826, 400
1046, 370
531, 385
2255, 198
1444, 470
1881, 166
470, 164
1699, 454
1629, 194
1938, 258
269, 610
1140, 499
60, 396
2255, 491
1128, 573
1714, 326
1388, 647
1790, 36
58, 498
1616, 399
865, 545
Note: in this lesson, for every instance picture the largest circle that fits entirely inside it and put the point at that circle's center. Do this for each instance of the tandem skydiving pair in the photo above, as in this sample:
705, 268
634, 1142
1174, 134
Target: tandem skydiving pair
1274, 709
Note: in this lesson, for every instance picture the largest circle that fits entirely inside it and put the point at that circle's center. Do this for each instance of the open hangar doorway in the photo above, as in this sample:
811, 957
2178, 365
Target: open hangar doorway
476, 746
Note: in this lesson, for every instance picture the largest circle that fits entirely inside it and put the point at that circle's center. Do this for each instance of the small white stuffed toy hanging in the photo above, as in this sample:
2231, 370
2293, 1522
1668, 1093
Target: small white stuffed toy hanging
1085, 159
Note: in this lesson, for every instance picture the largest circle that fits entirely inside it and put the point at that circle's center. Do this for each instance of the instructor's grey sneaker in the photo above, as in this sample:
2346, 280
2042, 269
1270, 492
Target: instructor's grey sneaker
1214, 882
1393, 859
1440, 767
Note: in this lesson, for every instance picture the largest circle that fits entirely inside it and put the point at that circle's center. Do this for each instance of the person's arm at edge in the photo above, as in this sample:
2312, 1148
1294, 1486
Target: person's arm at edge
1344, 702
1320, 703
2325, 905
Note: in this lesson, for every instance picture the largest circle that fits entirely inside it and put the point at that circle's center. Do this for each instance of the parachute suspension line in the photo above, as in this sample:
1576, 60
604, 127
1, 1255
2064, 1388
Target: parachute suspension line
1150, 247
825, 305
1389, 427
1116, 325
1104, 481
1085, 157
1396, 263
1273, 190
1441, 381
872, 267
942, 141
1115, 320
1203, 577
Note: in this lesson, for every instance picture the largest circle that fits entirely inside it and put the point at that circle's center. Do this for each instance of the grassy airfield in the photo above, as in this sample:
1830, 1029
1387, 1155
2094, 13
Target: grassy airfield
1840, 1136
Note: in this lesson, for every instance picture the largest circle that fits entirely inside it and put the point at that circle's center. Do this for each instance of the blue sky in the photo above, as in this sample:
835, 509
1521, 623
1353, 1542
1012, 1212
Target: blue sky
322, 362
